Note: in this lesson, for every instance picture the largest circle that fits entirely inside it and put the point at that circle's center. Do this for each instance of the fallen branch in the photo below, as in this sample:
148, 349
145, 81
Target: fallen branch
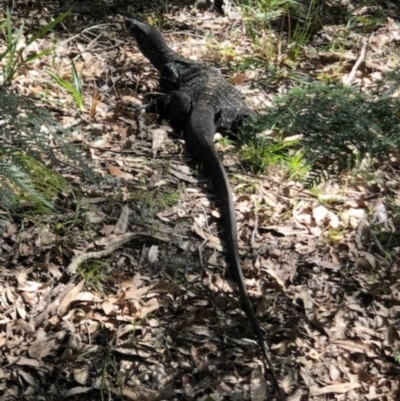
120, 240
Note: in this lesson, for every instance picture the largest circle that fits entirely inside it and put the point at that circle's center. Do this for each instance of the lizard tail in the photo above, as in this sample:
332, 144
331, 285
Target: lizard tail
199, 132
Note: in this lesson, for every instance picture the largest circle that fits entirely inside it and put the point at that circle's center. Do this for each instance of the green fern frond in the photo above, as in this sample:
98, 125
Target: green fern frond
30, 140
341, 125
17, 177
32, 129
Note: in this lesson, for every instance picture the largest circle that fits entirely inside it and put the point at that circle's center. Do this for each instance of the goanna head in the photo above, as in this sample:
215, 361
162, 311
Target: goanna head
151, 43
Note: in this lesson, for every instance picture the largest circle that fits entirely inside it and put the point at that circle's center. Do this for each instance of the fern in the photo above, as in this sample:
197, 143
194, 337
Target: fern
21, 179
340, 125
32, 129
29, 139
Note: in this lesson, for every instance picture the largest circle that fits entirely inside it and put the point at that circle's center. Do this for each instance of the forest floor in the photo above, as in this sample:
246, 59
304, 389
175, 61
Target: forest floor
125, 292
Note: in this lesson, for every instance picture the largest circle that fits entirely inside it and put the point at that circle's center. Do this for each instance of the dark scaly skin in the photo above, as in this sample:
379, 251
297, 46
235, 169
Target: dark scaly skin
199, 101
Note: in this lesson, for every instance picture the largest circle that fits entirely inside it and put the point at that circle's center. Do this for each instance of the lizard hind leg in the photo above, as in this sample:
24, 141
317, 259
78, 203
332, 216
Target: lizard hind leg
232, 118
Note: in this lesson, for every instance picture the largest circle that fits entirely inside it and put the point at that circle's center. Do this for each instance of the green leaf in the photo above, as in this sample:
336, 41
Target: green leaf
78, 94
62, 82
37, 55
77, 80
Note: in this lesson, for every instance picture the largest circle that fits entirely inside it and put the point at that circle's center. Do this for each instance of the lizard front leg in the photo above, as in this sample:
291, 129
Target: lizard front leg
174, 106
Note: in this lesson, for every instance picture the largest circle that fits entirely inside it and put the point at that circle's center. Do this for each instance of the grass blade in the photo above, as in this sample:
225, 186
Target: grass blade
48, 27
62, 82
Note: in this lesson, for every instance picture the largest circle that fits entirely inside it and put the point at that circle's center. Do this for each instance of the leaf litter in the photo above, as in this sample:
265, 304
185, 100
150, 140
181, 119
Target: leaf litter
135, 301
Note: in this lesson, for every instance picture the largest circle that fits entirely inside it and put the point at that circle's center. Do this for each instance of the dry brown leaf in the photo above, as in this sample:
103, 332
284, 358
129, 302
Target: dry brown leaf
152, 255
70, 297
284, 230
107, 229
91, 201
149, 307
74, 342
112, 239
108, 308
391, 335
297, 396
381, 214
93, 107
54, 270
198, 359
188, 388
115, 171
45, 238
81, 374
42, 346
258, 386
25, 285
76, 390
327, 265
183, 177
11, 229
163, 286
22, 361
334, 221
92, 326
289, 380
158, 137
21, 312
201, 331
334, 372
339, 327
353, 217
28, 378
307, 377
138, 351
212, 241
320, 214
332, 198
123, 220
304, 294
354, 347
86, 296
238, 79
132, 292
25, 249
339, 388
25, 326
124, 329
96, 216
144, 394
270, 270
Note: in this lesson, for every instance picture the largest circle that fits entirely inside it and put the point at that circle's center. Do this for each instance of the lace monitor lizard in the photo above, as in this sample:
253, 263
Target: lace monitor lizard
198, 101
